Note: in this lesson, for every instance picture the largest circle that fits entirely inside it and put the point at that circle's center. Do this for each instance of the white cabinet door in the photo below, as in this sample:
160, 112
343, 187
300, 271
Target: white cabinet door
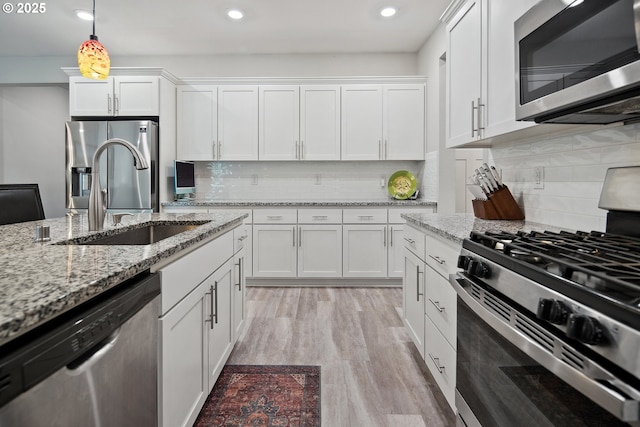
500, 85
464, 53
440, 358
238, 294
365, 250
274, 250
238, 122
137, 96
279, 122
413, 298
319, 250
90, 97
396, 250
197, 122
320, 122
218, 306
404, 122
362, 122
183, 361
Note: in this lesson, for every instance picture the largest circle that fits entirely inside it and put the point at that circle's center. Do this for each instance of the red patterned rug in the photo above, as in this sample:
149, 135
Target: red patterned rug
266, 396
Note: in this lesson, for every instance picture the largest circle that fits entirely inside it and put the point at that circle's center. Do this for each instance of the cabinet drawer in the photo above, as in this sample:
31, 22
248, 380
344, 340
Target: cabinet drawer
414, 240
442, 256
182, 276
275, 216
240, 236
440, 304
247, 220
320, 216
364, 216
440, 358
395, 218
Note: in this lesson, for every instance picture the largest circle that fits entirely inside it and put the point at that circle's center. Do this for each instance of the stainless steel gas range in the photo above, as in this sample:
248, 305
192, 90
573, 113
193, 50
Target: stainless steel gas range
549, 322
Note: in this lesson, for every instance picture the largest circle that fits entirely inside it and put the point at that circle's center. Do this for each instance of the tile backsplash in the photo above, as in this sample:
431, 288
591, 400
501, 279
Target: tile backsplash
573, 170
284, 181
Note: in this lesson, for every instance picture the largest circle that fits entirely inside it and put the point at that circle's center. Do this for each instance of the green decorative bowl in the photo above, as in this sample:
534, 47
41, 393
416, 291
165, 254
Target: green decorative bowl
402, 185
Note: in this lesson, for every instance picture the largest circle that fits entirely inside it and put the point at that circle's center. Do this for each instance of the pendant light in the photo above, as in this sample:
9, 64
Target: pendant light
93, 58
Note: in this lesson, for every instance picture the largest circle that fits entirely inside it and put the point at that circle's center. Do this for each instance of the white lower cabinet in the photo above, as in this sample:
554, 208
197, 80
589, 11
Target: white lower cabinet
196, 334
430, 303
413, 299
319, 250
365, 250
274, 250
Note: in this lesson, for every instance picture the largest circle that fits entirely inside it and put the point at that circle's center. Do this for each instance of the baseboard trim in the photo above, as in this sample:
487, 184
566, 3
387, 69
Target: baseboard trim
329, 282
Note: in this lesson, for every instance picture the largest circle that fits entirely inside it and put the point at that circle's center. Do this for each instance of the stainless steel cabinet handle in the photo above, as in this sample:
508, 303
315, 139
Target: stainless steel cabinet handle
109, 104
239, 264
210, 293
322, 217
479, 117
418, 273
213, 149
473, 118
410, 241
437, 305
384, 237
116, 103
391, 236
300, 237
636, 13
215, 291
365, 216
386, 152
297, 148
219, 150
293, 233
241, 238
436, 361
274, 217
437, 259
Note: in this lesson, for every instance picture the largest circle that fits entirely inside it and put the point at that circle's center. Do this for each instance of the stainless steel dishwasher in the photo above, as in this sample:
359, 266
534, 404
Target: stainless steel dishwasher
93, 366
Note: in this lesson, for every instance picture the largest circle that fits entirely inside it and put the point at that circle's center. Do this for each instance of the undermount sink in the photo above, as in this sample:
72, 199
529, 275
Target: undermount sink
145, 235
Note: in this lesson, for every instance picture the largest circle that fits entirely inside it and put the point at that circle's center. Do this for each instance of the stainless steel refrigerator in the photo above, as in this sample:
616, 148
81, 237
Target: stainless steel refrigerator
128, 189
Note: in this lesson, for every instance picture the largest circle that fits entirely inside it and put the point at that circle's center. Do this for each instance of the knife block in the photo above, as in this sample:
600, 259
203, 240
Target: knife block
499, 205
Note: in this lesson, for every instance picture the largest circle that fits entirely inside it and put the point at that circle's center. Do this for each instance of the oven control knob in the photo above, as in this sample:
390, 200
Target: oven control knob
463, 261
553, 311
478, 269
585, 329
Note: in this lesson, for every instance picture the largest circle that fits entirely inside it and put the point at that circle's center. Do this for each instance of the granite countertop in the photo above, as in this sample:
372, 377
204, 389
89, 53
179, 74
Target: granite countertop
457, 227
304, 203
39, 281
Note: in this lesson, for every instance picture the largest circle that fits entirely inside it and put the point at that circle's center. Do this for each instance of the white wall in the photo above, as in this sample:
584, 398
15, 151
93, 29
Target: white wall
32, 140
574, 170
291, 181
21, 70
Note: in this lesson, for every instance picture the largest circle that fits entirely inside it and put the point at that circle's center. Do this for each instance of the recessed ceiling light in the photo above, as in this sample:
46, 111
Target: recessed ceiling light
388, 12
83, 14
235, 14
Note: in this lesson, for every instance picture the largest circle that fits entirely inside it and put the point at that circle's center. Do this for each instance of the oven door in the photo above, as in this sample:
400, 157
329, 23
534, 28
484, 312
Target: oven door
507, 374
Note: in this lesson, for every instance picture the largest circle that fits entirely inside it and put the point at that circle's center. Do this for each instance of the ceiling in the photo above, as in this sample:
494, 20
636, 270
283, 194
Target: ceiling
200, 27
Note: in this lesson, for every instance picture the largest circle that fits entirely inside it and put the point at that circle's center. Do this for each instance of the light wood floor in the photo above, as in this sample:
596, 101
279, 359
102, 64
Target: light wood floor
371, 374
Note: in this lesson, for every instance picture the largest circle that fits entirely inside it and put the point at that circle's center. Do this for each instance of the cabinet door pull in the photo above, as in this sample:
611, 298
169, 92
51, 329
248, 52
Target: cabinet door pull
297, 148
473, 118
367, 217
391, 236
320, 217
480, 127
386, 152
384, 237
219, 150
116, 105
418, 273
109, 104
210, 319
293, 233
410, 241
239, 284
213, 149
436, 361
437, 259
300, 237
215, 291
436, 305
274, 217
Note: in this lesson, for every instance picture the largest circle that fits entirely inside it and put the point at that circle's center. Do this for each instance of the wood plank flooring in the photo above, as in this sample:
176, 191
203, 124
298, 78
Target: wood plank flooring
372, 374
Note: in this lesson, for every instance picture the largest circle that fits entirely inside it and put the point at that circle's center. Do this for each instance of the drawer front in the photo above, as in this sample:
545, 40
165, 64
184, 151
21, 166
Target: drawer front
440, 358
414, 240
275, 216
247, 220
442, 256
364, 216
320, 216
440, 304
240, 236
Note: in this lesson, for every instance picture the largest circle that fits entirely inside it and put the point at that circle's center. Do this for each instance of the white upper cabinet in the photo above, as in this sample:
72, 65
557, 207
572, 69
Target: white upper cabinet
197, 122
115, 96
362, 122
279, 122
319, 122
238, 122
383, 122
403, 121
481, 69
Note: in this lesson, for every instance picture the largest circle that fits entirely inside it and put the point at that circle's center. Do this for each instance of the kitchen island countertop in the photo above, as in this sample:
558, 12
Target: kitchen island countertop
457, 227
41, 280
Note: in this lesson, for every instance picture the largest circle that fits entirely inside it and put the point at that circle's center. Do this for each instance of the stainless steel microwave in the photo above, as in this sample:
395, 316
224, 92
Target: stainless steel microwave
578, 61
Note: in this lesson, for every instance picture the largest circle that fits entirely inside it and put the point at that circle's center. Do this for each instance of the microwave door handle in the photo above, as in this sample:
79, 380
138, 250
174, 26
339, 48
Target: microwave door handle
636, 15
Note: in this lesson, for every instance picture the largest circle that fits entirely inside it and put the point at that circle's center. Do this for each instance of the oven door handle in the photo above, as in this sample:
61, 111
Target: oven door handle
636, 15
595, 382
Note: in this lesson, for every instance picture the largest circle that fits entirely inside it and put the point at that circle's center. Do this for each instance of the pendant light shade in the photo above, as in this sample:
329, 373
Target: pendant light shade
93, 58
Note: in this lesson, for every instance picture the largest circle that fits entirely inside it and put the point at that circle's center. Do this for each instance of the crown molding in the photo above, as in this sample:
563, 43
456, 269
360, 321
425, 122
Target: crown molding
451, 10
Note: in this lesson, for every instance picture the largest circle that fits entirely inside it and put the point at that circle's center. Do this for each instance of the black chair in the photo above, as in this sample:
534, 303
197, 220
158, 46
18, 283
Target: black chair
20, 203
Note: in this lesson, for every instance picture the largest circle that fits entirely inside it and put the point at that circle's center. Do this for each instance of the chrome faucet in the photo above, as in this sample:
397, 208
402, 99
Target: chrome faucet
98, 196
